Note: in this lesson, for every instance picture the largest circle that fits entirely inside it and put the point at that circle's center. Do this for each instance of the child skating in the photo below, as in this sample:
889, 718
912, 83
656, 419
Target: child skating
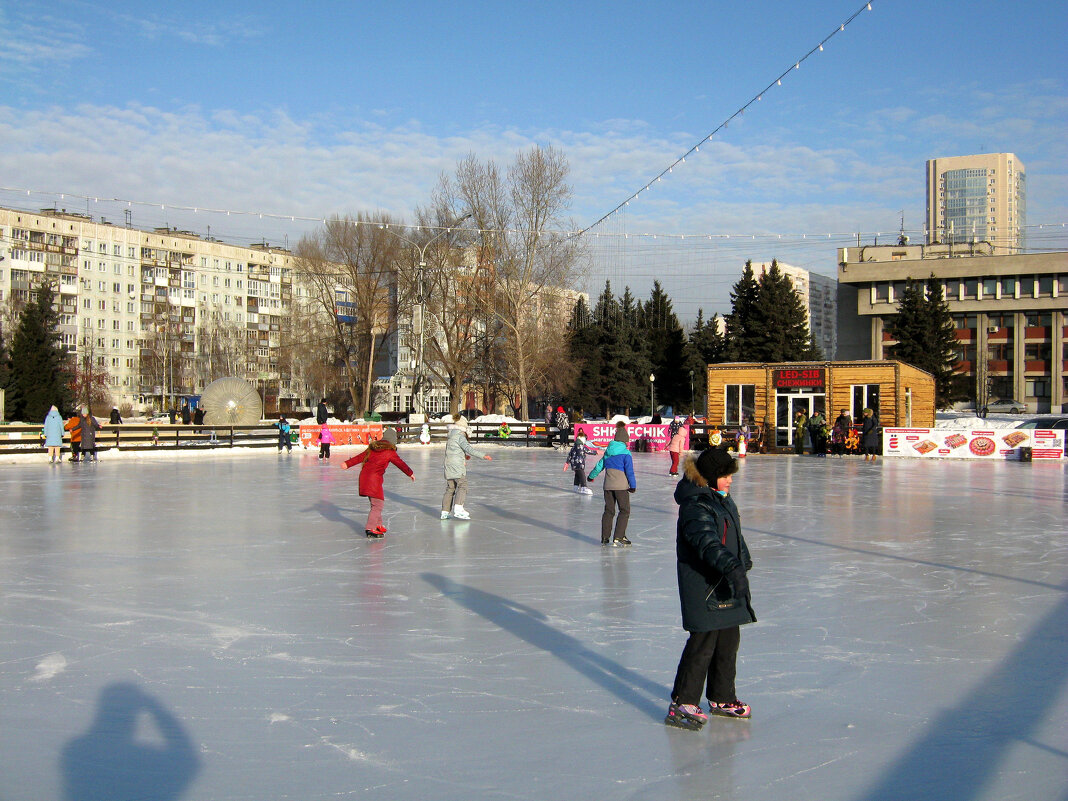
379, 455
576, 461
457, 452
325, 439
619, 485
712, 563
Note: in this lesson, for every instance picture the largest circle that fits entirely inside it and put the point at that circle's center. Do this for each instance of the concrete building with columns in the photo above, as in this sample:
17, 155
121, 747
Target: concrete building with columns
1010, 312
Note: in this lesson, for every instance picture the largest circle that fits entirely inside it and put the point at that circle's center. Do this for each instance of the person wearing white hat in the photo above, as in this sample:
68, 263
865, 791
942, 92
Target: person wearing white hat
457, 451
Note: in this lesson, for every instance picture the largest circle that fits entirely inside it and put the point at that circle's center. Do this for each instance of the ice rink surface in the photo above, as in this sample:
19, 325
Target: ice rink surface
219, 628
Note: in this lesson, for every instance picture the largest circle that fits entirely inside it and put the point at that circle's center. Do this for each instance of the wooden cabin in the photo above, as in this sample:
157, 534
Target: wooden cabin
771, 394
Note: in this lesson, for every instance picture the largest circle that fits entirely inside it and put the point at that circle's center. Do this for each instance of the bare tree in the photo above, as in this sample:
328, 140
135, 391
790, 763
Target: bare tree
523, 244
348, 266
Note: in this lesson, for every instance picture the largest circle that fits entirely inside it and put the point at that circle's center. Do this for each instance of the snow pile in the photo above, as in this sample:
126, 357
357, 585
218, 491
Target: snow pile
968, 421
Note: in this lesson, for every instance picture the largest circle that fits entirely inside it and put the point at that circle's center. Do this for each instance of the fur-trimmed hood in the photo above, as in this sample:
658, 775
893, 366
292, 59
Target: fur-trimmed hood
689, 469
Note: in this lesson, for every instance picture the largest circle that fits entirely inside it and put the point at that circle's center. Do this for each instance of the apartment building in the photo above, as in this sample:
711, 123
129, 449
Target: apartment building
1010, 311
819, 296
981, 198
164, 312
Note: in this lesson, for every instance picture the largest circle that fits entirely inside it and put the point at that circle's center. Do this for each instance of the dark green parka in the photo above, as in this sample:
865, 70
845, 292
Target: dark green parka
709, 544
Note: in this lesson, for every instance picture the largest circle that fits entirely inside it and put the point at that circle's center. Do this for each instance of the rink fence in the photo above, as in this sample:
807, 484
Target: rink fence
16, 439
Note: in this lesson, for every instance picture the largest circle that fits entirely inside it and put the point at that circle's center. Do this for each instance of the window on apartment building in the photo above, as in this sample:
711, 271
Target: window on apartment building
1039, 319
882, 292
990, 288
952, 289
104, 248
130, 307
102, 267
971, 288
100, 323
1008, 287
1045, 286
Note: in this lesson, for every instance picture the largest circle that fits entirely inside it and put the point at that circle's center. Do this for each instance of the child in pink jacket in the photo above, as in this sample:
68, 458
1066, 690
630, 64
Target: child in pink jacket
324, 439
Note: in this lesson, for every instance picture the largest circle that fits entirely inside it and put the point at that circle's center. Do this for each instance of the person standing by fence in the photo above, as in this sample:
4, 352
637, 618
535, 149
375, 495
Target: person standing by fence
53, 431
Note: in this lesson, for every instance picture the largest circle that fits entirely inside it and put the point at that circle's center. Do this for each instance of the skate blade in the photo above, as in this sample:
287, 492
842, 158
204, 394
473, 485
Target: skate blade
680, 722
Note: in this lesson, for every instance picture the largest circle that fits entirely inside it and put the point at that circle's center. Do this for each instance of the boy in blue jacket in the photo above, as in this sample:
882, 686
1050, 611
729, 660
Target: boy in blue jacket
619, 482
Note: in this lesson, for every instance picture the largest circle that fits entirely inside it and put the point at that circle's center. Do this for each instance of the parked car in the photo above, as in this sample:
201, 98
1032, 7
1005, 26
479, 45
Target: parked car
1003, 406
1053, 421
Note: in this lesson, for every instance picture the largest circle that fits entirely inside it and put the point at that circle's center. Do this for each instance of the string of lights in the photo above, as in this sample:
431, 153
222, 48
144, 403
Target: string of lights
864, 236
738, 113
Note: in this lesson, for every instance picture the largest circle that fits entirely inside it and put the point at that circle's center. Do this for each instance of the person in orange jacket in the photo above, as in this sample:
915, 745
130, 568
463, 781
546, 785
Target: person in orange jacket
74, 426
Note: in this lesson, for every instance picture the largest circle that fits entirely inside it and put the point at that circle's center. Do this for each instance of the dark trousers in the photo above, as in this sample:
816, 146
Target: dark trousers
612, 499
75, 449
324, 450
708, 661
283, 441
580, 476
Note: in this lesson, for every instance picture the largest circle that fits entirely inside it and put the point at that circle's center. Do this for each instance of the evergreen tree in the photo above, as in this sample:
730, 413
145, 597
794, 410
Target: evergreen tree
739, 322
923, 328
666, 349
709, 339
778, 323
39, 370
585, 345
5, 369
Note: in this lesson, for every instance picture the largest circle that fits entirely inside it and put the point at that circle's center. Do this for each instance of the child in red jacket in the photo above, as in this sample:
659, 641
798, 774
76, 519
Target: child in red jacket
378, 456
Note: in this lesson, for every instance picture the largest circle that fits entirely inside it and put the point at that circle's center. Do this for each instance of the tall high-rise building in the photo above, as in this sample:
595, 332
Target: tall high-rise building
819, 296
978, 198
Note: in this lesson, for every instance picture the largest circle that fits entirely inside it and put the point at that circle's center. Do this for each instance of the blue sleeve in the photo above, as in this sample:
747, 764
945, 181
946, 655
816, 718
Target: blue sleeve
628, 468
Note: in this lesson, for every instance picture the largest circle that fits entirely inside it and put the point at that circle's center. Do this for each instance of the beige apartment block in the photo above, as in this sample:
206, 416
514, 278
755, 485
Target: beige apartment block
164, 312
981, 198
1010, 312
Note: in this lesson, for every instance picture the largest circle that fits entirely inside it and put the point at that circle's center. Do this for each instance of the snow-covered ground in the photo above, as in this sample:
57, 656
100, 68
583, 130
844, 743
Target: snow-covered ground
218, 627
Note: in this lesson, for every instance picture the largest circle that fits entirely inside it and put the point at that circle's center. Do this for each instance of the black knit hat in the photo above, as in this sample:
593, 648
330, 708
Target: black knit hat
715, 463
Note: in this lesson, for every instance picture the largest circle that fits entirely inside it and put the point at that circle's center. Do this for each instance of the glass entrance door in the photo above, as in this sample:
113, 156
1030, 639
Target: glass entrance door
787, 407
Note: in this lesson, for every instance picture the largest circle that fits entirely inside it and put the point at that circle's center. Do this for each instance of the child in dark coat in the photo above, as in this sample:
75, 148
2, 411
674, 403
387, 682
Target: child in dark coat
576, 460
713, 560
379, 455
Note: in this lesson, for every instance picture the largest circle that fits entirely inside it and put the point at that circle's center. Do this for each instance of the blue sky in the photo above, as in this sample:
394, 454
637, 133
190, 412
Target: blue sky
339, 107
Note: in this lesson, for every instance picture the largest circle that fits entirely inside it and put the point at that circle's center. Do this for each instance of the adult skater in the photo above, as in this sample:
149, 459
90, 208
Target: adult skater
869, 435
53, 431
619, 482
116, 418
321, 414
714, 591
88, 425
379, 455
457, 451
800, 426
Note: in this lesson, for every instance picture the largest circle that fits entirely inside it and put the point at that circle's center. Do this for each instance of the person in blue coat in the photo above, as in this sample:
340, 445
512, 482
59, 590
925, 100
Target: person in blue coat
619, 483
53, 431
713, 560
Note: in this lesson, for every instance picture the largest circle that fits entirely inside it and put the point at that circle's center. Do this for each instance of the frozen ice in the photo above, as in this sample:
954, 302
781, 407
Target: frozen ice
219, 628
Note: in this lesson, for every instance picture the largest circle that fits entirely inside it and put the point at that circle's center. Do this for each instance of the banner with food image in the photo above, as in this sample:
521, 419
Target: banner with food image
984, 443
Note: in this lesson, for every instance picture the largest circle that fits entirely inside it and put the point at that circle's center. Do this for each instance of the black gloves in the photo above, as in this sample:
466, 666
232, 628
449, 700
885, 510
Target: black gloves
632, 489
739, 583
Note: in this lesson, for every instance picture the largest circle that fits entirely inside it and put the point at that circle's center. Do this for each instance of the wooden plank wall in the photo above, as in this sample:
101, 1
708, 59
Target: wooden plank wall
892, 377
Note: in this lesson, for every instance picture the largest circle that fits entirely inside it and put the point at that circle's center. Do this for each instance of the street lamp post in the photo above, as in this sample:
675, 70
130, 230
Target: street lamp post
417, 321
652, 378
692, 409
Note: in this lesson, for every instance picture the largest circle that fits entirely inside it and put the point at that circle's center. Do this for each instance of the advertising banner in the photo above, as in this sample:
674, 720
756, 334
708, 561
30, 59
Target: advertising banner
992, 443
344, 433
600, 434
